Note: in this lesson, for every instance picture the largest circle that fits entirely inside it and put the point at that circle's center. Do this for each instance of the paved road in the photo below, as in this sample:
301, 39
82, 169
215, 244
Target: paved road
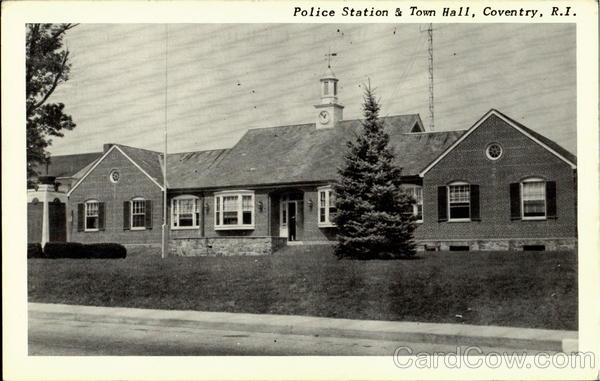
67, 337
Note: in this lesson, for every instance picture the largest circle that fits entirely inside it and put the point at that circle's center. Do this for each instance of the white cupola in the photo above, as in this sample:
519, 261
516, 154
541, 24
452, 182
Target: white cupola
329, 112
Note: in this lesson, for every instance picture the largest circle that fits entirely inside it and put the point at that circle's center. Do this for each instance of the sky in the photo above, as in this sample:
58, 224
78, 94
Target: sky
216, 81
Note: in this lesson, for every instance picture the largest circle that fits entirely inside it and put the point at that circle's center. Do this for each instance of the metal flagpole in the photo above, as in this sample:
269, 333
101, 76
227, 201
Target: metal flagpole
164, 225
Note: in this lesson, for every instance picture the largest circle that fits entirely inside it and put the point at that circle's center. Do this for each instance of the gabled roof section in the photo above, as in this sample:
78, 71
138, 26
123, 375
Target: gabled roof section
148, 162
67, 165
401, 123
546, 143
418, 125
301, 154
544, 140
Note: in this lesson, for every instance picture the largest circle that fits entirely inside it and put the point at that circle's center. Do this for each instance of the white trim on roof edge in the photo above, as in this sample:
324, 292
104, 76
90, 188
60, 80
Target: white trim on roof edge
479, 123
102, 158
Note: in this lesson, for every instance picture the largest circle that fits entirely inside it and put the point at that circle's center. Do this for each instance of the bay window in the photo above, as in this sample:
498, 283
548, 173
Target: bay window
234, 210
327, 209
185, 212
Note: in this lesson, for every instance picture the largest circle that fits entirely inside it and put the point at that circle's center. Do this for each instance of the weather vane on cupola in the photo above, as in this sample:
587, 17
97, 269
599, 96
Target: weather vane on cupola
329, 111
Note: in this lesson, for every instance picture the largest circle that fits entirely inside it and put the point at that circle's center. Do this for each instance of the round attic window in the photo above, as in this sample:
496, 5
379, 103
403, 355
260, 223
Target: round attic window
494, 151
115, 176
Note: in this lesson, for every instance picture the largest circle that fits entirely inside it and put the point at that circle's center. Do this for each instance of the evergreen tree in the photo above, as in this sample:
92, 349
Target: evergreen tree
372, 210
47, 65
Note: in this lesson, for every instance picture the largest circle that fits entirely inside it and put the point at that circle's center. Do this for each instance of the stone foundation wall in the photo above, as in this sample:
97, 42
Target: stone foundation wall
551, 244
225, 246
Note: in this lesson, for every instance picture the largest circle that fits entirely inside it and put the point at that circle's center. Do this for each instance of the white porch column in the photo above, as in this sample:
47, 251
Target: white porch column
46, 193
45, 190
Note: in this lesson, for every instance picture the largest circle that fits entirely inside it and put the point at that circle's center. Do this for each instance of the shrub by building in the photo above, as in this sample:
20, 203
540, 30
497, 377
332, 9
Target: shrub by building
82, 251
34, 250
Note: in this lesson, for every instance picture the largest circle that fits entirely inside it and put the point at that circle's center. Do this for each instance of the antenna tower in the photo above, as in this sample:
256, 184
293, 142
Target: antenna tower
430, 51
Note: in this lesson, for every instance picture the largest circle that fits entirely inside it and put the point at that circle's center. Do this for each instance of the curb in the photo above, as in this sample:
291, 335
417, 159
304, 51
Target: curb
570, 346
449, 334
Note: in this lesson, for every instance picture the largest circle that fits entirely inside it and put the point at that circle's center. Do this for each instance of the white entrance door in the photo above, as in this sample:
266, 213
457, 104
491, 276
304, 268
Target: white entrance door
287, 218
283, 217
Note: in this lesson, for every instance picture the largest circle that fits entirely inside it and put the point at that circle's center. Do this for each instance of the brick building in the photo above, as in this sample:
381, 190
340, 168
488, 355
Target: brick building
497, 185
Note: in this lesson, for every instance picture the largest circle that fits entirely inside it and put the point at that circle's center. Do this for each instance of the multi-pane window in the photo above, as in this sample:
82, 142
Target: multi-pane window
218, 210
327, 208
92, 216
247, 209
234, 210
138, 214
230, 210
459, 201
534, 198
185, 212
416, 192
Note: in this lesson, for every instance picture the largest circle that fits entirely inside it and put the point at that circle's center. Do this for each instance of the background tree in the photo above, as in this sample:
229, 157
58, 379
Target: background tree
372, 210
47, 66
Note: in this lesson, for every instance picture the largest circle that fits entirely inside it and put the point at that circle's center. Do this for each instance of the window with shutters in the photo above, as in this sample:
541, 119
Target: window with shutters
416, 192
234, 210
185, 212
92, 216
138, 214
459, 202
533, 199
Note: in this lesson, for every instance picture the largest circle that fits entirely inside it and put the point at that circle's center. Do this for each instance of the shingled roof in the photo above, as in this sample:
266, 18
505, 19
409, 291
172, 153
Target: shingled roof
292, 155
414, 151
184, 169
299, 154
67, 165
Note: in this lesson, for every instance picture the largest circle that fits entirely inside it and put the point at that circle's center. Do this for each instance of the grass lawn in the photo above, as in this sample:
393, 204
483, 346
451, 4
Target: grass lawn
523, 289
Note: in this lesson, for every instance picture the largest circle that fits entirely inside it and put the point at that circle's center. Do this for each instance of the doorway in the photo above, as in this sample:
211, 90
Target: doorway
290, 216
57, 221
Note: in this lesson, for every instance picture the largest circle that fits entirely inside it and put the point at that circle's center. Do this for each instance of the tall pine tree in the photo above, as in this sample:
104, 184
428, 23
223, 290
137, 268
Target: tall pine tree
372, 218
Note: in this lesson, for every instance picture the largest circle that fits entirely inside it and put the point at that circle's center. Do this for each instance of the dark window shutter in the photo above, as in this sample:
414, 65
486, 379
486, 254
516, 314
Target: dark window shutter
80, 217
126, 215
475, 216
148, 215
551, 199
100, 216
442, 204
515, 201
